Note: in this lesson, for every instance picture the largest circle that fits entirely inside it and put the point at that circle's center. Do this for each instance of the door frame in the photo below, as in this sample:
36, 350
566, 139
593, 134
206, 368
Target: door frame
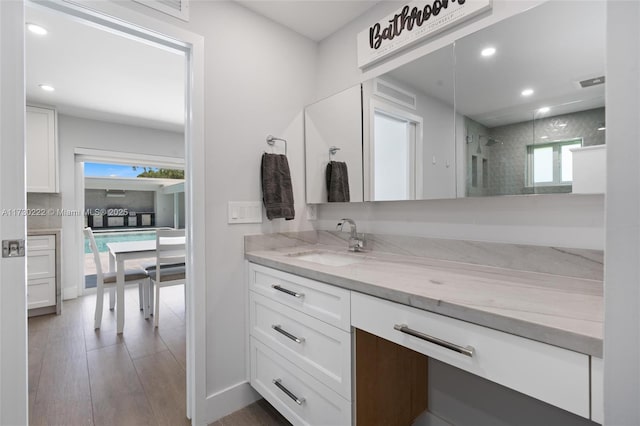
13, 224
118, 18
83, 155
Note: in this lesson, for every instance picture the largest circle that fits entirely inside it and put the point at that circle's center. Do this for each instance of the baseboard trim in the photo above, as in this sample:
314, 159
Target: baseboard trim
228, 400
69, 293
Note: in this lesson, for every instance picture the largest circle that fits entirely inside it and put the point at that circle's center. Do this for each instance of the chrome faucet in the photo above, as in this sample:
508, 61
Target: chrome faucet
356, 241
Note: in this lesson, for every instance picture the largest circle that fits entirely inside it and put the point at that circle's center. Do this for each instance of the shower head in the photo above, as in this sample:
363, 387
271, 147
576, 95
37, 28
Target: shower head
490, 141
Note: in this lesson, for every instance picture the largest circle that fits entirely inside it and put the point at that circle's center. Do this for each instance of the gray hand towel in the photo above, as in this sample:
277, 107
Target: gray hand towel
337, 182
277, 191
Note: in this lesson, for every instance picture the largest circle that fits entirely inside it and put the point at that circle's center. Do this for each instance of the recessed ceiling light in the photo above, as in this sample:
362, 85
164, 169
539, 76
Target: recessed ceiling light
544, 137
488, 51
37, 29
602, 128
47, 87
527, 92
544, 110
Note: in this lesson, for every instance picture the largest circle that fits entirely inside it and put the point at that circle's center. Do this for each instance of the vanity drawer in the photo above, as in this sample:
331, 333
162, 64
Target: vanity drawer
323, 301
319, 349
554, 375
317, 404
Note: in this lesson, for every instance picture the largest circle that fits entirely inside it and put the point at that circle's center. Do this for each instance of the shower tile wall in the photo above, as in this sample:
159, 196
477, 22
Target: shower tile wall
474, 131
507, 158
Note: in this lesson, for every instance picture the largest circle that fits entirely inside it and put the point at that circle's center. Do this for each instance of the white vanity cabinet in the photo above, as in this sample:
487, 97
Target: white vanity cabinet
41, 271
597, 390
41, 150
300, 342
551, 374
308, 340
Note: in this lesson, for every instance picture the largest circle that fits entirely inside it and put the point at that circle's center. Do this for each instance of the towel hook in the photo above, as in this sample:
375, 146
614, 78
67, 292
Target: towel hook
271, 140
332, 151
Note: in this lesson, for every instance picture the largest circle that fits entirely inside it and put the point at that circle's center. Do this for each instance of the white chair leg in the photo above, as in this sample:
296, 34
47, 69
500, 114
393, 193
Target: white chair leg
145, 291
151, 294
140, 295
99, 302
156, 310
112, 298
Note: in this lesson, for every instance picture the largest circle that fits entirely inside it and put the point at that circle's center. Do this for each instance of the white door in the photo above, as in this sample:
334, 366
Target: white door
13, 303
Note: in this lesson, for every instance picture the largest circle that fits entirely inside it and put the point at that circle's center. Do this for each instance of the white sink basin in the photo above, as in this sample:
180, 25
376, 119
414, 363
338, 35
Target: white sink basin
327, 258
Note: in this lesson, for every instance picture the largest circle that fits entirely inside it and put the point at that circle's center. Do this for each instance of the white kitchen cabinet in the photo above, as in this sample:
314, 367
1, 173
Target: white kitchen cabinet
41, 150
41, 271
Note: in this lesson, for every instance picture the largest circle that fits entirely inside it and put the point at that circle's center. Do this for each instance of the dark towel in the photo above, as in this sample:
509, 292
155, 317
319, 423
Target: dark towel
277, 191
337, 182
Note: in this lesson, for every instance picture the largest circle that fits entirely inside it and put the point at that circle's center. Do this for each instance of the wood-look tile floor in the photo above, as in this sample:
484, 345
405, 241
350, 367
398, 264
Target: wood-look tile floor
82, 376
258, 413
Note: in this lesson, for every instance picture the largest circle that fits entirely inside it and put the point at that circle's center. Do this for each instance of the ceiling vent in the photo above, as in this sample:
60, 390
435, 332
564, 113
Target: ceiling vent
393, 93
592, 82
177, 8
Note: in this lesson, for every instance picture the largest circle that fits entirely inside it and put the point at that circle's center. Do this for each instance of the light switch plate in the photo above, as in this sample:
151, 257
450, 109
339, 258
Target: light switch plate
244, 212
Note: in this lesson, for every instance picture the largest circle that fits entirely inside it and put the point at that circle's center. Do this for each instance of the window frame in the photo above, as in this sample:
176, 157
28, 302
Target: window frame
557, 162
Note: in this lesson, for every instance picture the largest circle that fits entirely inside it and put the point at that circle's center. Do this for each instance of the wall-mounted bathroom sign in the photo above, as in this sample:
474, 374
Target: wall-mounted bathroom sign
412, 23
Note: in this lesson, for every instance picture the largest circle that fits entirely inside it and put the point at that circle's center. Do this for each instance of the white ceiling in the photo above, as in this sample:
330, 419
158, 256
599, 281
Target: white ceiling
549, 48
101, 75
314, 19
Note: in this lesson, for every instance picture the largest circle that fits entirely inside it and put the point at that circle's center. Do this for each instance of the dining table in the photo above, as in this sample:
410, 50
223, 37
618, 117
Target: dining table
119, 253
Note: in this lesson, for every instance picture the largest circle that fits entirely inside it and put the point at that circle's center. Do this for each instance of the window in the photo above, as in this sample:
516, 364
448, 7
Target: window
551, 163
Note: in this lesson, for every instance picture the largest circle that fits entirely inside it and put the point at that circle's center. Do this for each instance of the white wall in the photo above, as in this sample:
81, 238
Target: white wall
543, 220
622, 251
73, 133
259, 77
164, 209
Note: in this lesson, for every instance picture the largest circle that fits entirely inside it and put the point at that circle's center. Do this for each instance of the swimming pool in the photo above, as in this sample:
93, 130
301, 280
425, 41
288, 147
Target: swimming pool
103, 238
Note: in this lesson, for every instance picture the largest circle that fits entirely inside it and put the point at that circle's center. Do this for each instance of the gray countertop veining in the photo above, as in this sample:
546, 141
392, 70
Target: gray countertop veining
560, 310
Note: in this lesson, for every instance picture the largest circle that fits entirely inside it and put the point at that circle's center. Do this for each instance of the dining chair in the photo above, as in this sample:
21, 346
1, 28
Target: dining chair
108, 279
170, 267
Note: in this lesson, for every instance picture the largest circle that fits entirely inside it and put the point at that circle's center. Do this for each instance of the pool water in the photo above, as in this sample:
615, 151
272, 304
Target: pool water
102, 239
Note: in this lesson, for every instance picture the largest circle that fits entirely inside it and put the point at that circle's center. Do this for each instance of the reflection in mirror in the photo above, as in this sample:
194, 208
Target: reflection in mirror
530, 101
409, 143
333, 148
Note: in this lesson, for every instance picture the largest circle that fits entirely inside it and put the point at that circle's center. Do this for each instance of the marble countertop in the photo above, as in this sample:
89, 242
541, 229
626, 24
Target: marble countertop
559, 310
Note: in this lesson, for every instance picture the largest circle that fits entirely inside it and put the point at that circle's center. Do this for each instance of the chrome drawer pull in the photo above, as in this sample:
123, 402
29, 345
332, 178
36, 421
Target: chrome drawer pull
289, 292
278, 383
287, 334
468, 350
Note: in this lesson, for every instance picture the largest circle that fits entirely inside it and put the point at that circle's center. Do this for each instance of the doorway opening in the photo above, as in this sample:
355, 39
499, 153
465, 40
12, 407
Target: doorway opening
88, 128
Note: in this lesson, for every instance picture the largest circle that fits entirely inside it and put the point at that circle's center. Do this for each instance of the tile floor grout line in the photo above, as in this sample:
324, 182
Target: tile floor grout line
86, 359
144, 389
35, 398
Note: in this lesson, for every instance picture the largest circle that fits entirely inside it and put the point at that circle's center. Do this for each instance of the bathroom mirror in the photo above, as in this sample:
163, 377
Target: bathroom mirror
409, 131
333, 148
529, 97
